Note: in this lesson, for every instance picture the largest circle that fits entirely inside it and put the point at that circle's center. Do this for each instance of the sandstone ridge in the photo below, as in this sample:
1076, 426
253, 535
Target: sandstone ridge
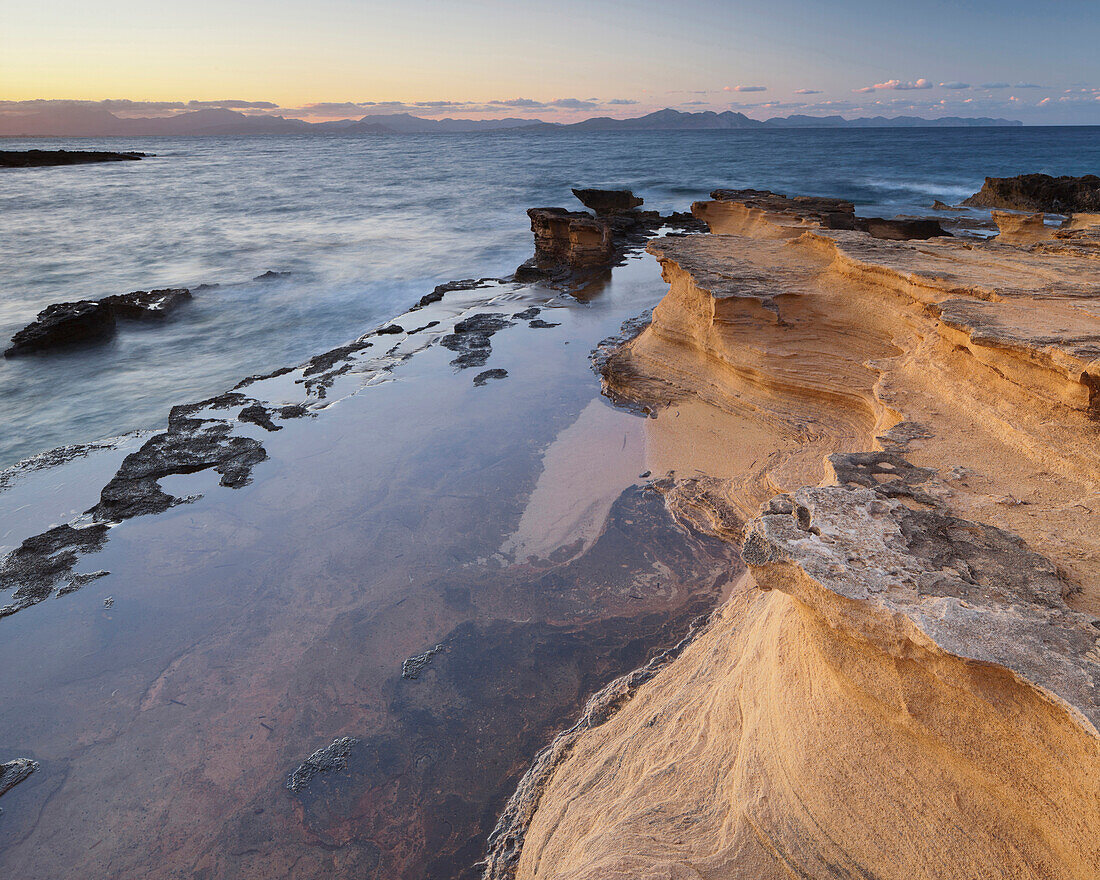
903, 434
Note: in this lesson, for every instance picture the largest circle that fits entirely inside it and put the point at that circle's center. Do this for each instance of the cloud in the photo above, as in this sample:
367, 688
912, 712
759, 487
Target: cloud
954, 85
897, 85
1028, 86
231, 105
807, 91
997, 85
573, 104
745, 89
621, 102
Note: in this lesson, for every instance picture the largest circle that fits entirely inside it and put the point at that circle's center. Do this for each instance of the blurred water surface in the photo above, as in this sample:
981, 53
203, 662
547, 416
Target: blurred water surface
365, 227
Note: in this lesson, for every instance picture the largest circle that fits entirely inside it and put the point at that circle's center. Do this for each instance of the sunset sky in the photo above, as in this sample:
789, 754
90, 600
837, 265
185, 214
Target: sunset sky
1035, 61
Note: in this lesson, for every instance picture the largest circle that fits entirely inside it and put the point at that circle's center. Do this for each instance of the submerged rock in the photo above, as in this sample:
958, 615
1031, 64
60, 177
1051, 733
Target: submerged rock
271, 275
331, 757
471, 338
1039, 192
62, 325
14, 772
483, 378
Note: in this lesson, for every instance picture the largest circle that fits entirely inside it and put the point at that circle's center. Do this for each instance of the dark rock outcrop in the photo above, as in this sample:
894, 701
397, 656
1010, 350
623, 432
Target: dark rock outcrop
901, 228
36, 565
77, 323
14, 772
483, 378
145, 305
332, 757
608, 201
191, 444
1039, 192
43, 158
471, 338
64, 324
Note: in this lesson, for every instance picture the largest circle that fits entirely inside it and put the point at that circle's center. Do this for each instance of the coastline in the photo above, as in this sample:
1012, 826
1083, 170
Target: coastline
776, 388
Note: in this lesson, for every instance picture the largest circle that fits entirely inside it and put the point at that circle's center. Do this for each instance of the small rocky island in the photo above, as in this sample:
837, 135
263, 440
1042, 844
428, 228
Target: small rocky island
46, 158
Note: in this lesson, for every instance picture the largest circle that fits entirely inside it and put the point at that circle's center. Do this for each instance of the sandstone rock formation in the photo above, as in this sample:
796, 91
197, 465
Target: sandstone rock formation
907, 683
1017, 228
571, 238
572, 244
1039, 192
771, 215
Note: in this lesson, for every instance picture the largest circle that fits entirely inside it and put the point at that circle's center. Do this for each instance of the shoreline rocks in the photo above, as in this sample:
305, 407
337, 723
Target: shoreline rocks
63, 325
1039, 192
570, 245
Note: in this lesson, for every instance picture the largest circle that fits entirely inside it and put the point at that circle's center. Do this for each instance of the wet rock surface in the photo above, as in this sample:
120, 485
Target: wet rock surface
572, 244
423, 793
485, 377
14, 772
43, 158
34, 568
145, 305
62, 325
471, 339
327, 760
1039, 192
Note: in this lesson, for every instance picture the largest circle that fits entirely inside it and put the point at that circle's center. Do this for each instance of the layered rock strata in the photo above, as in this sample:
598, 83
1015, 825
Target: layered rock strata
573, 244
906, 685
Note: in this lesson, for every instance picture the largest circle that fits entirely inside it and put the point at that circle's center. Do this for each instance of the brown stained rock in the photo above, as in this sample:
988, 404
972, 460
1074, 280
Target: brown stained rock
571, 238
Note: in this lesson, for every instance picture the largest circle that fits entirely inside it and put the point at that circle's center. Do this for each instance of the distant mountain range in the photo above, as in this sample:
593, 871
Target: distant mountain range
82, 121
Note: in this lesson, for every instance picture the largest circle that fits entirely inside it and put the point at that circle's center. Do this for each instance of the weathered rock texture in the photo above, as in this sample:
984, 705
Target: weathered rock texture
771, 215
907, 684
1039, 192
572, 244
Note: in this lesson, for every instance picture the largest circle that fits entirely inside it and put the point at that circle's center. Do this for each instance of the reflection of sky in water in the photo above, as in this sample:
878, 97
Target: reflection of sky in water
253, 626
368, 226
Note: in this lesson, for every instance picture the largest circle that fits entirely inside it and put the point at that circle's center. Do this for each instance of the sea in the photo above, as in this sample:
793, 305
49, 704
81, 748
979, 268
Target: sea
363, 227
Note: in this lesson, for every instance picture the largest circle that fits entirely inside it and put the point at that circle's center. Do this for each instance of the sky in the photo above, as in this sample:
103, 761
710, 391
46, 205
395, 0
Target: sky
562, 60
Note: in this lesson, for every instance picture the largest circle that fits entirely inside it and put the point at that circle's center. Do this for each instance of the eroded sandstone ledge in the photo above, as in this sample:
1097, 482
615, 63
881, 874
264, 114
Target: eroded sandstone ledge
904, 434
